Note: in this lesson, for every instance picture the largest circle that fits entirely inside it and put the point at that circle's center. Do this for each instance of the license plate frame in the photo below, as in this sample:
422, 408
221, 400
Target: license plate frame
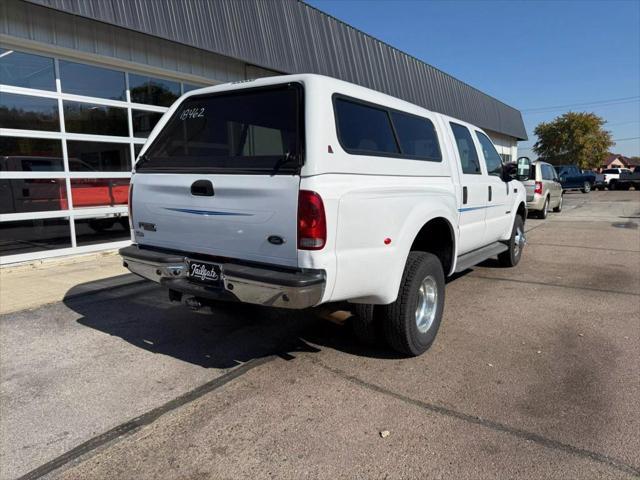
206, 273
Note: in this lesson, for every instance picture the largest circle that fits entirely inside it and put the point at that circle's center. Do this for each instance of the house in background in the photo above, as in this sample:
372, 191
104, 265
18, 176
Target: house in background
613, 160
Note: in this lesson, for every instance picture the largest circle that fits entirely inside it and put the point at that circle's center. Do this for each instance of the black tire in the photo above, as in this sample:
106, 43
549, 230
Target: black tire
399, 318
542, 214
512, 257
586, 188
99, 225
366, 325
558, 209
612, 185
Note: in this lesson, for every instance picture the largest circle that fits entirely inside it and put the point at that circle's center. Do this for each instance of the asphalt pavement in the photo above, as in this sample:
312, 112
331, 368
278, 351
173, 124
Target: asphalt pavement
534, 374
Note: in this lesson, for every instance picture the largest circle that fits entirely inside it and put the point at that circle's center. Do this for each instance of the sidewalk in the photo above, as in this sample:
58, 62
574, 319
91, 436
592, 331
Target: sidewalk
30, 286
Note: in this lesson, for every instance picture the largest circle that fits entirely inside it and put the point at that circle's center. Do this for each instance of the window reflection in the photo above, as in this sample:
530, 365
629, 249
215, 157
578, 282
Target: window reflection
82, 79
98, 156
30, 155
187, 87
96, 119
26, 70
154, 91
32, 195
29, 113
99, 192
25, 236
90, 231
143, 122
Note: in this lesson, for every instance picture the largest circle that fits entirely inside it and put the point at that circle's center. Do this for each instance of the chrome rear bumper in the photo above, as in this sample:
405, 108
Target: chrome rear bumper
249, 284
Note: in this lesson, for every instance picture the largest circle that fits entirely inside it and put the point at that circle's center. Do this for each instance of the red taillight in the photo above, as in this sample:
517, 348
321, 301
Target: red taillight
312, 222
130, 206
538, 188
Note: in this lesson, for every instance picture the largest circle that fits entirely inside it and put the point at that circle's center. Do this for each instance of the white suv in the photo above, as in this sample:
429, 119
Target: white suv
299, 190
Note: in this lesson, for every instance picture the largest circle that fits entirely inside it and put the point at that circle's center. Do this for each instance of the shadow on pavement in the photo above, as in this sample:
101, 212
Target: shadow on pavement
222, 337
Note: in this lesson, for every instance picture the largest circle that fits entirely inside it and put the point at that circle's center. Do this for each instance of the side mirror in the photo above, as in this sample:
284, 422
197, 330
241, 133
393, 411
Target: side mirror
523, 169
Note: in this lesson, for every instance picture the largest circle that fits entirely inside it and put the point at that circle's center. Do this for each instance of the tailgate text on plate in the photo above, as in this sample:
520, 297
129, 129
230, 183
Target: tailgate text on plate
205, 272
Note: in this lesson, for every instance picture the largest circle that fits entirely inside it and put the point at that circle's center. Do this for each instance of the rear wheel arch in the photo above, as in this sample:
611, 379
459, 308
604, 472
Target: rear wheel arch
437, 237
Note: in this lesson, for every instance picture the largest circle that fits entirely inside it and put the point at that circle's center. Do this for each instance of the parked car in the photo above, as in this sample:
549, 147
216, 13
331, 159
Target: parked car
299, 190
628, 179
612, 176
572, 178
543, 190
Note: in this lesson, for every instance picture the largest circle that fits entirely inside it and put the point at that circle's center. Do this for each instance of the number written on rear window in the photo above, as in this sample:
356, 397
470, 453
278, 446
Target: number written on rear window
195, 112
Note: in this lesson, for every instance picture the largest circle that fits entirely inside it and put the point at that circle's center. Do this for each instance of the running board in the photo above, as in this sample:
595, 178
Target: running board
477, 256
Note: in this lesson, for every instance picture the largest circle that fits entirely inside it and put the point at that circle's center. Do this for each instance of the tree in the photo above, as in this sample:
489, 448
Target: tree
576, 138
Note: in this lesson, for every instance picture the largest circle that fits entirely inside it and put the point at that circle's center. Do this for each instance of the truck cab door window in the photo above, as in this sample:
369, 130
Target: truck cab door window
466, 149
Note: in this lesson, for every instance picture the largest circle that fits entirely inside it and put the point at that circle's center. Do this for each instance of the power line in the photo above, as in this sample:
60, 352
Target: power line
611, 101
625, 139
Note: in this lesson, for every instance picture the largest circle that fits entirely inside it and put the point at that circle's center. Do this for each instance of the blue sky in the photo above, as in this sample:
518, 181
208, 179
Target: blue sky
529, 54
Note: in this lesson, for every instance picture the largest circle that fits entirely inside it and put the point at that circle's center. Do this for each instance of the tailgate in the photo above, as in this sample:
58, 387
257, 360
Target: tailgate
221, 177
236, 221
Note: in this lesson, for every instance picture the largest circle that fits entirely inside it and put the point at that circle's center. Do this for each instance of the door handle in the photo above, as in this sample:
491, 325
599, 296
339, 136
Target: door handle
202, 188
490, 192
464, 195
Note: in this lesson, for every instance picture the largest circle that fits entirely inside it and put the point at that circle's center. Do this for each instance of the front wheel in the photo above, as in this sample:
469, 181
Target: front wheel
518, 240
612, 185
586, 188
558, 208
412, 321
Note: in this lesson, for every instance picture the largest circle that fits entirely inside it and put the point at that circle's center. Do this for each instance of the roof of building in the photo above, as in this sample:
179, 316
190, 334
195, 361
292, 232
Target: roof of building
290, 36
614, 156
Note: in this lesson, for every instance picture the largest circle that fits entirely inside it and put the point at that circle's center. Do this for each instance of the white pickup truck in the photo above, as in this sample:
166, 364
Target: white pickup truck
299, 190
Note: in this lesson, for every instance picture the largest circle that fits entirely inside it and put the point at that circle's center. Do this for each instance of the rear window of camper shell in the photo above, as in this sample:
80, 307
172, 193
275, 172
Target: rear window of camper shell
252, 130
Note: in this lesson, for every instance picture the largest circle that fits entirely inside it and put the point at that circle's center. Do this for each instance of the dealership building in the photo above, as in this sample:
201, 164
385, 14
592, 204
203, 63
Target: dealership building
83, 82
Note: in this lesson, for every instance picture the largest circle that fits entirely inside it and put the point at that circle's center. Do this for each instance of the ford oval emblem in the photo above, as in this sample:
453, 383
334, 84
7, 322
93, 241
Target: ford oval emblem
275, 240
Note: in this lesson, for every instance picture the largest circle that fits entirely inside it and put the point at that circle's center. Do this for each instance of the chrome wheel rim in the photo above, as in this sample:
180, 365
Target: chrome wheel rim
546, 207
427, 304
519, 241
560, 204
587, 187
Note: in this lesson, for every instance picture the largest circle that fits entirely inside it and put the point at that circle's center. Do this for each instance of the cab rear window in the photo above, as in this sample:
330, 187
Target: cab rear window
244, 131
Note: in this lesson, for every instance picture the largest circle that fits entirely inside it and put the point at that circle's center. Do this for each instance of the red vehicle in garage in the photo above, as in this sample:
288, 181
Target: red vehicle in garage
46, 194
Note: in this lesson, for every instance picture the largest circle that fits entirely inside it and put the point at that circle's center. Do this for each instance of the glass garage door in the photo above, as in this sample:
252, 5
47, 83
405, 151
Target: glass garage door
69, 133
